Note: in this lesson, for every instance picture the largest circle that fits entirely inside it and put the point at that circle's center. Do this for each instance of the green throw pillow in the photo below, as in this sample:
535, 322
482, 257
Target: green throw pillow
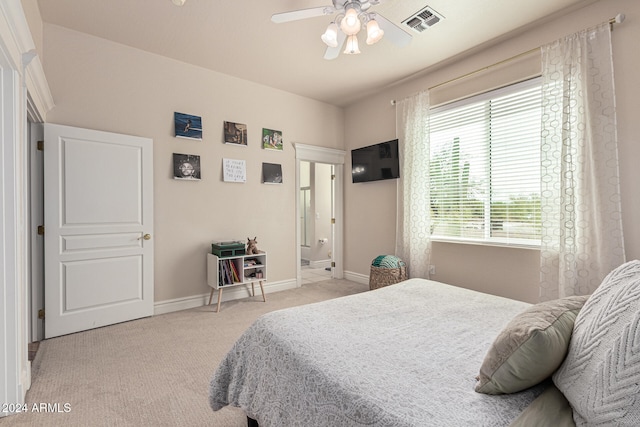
530, 348
551, 408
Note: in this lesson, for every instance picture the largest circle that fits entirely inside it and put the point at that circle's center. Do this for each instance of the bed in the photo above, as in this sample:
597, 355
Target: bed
403, 355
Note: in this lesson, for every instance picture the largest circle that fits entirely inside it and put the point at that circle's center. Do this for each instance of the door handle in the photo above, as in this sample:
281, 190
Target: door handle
145, 237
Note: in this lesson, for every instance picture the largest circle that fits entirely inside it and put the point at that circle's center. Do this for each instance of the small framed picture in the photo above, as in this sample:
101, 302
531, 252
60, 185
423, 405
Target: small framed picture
271, 139
187, 126
234, 170
235, 133
186, 166
271, 173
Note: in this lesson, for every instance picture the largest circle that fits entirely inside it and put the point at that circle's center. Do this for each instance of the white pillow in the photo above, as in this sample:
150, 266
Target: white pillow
600, 376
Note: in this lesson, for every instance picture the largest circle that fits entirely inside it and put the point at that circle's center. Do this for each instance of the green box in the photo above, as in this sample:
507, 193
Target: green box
227, 249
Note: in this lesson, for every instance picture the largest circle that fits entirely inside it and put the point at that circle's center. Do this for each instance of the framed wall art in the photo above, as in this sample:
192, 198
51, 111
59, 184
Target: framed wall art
234, 170
271, 139
187, 126
235, 133
271, 173
186, 166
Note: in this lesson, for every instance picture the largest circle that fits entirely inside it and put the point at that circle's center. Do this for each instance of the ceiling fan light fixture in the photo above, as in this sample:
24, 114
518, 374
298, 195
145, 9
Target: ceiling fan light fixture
330, 36
351, 47
374, 32
350, 24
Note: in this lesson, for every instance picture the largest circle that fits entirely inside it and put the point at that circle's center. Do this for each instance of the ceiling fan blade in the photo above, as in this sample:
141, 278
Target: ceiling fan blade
334, 52
296, 15
392, 32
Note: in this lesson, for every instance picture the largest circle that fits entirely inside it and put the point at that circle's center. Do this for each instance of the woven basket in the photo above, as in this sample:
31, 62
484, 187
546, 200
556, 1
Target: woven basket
384, 276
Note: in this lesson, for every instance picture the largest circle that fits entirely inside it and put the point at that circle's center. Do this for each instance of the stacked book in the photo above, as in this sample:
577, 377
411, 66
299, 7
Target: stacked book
228, 272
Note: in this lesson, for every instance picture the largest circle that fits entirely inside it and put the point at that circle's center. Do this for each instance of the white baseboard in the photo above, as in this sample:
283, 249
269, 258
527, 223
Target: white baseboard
238, 292
356, 277
232, 293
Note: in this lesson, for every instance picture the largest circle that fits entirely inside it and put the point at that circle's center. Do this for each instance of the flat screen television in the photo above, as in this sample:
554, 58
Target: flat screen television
375, 162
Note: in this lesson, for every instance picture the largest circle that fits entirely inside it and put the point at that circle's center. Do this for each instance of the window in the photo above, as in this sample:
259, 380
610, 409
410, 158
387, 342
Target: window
485, 167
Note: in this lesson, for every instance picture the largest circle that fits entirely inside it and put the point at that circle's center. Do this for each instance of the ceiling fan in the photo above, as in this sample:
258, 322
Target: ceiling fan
351, 15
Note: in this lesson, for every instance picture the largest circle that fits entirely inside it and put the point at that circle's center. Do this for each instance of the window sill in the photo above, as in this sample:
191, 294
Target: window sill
512, 243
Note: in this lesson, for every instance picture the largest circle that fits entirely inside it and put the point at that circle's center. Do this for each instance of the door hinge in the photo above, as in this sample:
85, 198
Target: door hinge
333, 177
333, 220
41, 313
333, 264
41, 230
40, 145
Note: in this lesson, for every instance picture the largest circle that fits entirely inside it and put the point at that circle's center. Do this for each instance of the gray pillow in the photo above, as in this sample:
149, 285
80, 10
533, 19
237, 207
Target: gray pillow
601, 375
530, 348
551, 408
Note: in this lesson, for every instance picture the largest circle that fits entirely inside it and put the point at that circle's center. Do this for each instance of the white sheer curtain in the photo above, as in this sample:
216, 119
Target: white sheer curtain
413, 240
580, 196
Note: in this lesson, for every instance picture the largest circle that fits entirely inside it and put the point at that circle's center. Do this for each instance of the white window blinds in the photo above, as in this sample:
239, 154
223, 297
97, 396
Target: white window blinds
485, 166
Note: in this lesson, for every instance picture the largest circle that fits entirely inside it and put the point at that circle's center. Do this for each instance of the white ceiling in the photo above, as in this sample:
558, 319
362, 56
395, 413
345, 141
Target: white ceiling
237, 37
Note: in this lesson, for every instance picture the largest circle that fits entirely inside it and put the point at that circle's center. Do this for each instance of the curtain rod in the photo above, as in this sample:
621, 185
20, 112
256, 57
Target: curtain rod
618, 19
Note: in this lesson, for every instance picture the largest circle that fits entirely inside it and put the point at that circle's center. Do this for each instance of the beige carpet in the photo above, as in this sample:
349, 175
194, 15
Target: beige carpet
153, 371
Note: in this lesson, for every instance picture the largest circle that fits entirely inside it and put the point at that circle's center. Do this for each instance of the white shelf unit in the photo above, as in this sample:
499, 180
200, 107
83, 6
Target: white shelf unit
248, 270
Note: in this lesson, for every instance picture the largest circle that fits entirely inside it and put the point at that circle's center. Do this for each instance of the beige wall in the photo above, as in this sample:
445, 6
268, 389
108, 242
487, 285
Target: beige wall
370, 208
101, 85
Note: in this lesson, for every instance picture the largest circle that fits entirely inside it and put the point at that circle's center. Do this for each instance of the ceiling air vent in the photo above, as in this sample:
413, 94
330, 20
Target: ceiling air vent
423, 19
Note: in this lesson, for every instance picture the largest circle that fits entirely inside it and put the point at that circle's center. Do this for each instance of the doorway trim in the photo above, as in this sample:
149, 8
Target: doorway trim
335, 157
23, 87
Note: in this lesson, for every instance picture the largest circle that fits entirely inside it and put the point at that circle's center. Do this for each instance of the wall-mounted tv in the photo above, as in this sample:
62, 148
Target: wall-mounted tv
375, 162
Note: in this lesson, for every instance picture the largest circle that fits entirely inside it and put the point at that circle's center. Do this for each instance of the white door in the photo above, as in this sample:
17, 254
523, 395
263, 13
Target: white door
98, 228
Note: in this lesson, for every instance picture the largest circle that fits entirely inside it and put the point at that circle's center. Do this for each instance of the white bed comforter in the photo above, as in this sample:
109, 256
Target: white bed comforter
403, 355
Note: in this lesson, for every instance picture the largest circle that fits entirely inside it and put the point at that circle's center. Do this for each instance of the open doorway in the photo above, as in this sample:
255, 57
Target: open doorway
36, 233
316, 213
319, 182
